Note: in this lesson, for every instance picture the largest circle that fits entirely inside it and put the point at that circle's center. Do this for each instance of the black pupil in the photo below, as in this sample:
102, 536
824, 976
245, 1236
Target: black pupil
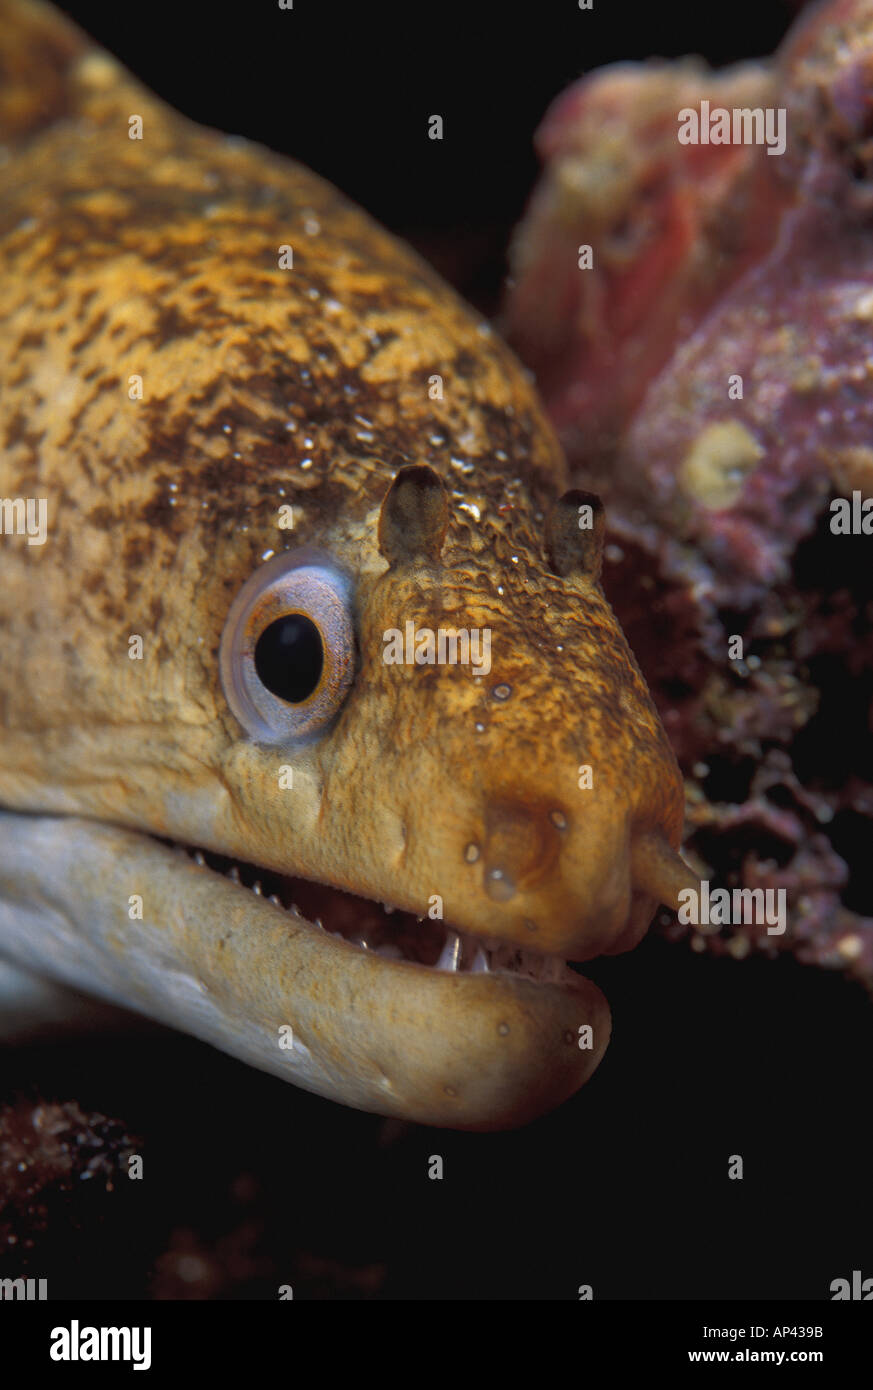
289, 657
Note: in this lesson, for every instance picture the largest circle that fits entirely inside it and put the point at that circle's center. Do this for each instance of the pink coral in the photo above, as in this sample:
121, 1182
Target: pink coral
712, 376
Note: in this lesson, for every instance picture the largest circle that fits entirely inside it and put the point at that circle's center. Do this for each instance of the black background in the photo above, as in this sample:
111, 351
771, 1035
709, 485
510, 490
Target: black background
347, 88
626, 1187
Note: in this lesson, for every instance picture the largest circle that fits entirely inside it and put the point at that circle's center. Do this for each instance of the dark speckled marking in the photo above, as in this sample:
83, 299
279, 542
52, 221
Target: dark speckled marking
157, 258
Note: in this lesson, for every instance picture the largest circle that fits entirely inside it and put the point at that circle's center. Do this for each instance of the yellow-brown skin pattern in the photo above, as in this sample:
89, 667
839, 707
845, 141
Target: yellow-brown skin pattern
158, 258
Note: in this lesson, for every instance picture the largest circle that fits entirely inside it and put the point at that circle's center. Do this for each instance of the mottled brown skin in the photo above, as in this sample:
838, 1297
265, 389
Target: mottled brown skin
262, 386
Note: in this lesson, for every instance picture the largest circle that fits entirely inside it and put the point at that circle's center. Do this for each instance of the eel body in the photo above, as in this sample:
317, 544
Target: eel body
266, 437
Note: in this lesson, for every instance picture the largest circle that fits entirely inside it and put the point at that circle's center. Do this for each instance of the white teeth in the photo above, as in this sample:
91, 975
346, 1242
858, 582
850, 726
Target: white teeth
480, 955
450, 957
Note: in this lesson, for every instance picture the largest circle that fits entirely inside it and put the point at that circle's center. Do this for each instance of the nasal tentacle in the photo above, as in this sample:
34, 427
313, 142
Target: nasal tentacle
657, 869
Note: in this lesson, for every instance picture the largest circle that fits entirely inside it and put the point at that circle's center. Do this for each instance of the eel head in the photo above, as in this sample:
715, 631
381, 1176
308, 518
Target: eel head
409, 792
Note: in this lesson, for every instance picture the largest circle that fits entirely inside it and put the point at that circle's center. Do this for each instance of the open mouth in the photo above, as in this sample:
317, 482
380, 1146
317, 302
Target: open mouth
383, 930
317, 986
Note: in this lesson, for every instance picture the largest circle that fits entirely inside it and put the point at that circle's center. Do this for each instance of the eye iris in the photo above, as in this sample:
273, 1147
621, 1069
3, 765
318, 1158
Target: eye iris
289, 657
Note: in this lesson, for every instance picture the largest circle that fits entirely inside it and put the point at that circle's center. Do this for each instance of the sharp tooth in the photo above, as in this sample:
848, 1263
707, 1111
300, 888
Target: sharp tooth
318, 923
386, 907
450, 957
256, 888
295, 909
274, 899
198, 859
233, 874
480, 962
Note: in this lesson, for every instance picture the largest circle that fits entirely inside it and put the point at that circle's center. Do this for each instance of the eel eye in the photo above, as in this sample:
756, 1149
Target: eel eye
287, 655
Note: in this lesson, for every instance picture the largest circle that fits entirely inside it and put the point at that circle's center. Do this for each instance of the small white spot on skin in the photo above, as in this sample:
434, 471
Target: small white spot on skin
472, 509
97, 70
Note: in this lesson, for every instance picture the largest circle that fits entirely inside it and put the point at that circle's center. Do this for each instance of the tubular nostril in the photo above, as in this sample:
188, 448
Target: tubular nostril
521, 845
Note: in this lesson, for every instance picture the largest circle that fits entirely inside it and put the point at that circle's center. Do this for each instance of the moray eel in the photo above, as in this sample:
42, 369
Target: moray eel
267, 437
